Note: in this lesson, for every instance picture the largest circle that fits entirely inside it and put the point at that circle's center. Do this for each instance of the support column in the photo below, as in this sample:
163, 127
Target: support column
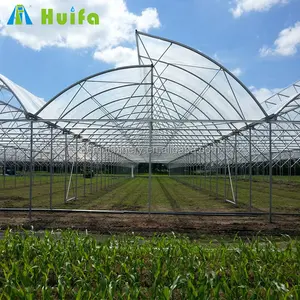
66, 167
117, 170
210, 171
4, 167
91, 169
106, 169
290, 166
107, 179
101, 169
205, 168
236, 169
112, 169
196, 168
250, 169
110, 158
150, 169
76, 167
190, 179
150, 148
193, 168
25, 167
40, 169
97, 168
185, 168
217, 171
31, 170
200, 163
270, 172
225, 170
51, 167
15, 168
84, 169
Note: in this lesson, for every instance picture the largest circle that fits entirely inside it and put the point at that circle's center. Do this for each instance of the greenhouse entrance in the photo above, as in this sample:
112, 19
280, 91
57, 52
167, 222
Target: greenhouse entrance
176, 134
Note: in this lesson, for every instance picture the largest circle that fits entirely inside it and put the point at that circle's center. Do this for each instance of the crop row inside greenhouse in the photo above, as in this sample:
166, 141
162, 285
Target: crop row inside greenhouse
177, 133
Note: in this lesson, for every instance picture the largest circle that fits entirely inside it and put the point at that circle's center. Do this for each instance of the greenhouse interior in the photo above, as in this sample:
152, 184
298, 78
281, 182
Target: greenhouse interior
177, 133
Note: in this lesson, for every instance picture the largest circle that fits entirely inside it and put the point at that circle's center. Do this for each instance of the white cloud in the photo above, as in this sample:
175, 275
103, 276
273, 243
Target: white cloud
244, 6
237, 72
117, 25
286, 44
263, 93
119, 56
148, 19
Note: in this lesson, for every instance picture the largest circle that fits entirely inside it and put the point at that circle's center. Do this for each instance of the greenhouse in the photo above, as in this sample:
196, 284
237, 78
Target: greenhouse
176, 134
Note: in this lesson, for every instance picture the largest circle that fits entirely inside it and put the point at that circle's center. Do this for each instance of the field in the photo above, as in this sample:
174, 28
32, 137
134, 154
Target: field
70, 265
177, 194
76, 265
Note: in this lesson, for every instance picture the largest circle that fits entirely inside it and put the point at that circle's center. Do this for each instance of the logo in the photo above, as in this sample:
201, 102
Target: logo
73, 17
16, 17
49, 17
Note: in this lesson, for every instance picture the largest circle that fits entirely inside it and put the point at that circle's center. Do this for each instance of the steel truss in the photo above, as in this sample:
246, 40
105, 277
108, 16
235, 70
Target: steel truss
177, 106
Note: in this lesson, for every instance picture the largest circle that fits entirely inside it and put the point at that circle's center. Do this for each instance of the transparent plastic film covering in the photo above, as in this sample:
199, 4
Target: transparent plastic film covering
21, 98
207, 90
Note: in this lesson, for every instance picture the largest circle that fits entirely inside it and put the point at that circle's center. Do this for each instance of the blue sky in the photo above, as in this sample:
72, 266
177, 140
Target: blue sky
243, 42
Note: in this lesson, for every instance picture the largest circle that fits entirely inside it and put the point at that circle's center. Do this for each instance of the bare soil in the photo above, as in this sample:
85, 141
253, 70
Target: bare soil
145, 224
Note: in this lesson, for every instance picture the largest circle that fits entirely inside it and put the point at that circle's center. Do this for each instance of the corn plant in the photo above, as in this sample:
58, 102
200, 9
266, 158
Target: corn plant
73, 265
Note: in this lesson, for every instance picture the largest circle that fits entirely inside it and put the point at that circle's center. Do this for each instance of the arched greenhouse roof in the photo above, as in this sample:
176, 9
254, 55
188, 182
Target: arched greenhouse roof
186, 98
20, 98
278, 100
207, 84
289, 104
186, 85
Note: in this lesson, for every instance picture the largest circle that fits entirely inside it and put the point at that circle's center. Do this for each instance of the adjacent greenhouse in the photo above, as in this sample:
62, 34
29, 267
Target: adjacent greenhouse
177, 133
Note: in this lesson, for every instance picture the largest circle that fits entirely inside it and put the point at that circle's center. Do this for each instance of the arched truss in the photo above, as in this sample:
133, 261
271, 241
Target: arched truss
273, 103
284, 108
187, 99
16, 96
15, 105
180, 70
176, 98
18, 108
290, 105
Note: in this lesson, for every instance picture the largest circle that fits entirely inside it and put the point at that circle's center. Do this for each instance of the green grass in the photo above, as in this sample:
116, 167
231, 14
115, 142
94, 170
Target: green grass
69, 265
285, 191
186, 193
15, 192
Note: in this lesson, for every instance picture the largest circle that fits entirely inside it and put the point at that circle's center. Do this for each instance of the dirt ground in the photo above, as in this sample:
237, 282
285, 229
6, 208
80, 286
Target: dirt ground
145, 225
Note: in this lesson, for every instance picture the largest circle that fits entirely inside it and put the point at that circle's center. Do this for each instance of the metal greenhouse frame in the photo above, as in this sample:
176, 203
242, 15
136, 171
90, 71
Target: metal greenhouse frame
178, 107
